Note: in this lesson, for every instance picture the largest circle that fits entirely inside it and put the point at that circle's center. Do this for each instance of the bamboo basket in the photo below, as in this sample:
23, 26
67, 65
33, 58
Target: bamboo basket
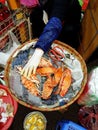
64, 106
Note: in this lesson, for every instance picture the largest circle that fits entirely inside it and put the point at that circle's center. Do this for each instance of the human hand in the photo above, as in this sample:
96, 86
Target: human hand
32, 63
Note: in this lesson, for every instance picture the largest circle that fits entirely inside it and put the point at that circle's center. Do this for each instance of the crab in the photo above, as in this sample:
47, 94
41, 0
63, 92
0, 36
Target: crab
55, 77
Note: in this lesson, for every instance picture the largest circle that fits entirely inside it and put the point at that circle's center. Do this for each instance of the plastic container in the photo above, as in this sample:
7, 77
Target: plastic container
68, 125
7, 99
35, 120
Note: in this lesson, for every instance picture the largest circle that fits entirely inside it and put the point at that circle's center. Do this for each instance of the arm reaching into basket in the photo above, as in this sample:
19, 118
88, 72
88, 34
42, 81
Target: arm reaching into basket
50, 33
52, 30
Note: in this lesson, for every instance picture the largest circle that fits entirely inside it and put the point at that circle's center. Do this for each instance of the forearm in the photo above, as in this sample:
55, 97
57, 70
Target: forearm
50, 33
54, 26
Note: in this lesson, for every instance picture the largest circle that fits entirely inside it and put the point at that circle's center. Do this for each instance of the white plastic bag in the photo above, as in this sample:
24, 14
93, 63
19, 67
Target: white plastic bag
90, 95
14, 44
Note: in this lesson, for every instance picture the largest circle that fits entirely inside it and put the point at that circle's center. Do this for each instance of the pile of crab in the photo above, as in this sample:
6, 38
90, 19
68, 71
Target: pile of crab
56, 77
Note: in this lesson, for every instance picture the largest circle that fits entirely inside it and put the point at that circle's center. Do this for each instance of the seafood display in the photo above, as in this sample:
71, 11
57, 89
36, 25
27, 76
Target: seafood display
59, 77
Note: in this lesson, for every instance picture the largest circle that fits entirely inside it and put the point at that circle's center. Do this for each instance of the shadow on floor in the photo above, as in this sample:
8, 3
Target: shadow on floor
52, 117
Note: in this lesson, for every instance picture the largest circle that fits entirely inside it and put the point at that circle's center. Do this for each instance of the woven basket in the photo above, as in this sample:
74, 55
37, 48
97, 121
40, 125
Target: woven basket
65, 106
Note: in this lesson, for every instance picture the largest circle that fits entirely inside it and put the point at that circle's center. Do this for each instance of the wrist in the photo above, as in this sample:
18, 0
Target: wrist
38, 52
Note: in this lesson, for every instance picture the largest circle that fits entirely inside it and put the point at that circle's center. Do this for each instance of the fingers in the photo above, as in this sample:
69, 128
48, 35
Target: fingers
34, 70
30, 71
27, 71
22, 71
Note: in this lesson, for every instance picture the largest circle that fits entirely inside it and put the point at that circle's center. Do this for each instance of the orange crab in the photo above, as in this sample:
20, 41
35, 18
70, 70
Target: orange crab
50, 83
31, 86
55, 77
60, 78
31, 83
65, 83
44, 62
45, 71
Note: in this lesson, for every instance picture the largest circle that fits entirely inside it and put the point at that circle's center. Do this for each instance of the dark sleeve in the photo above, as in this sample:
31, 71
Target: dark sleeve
50, 33
60, 8
54, 26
